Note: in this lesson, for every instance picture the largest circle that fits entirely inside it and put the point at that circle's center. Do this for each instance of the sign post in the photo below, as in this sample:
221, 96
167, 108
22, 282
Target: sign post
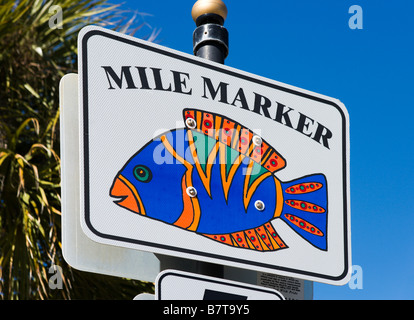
211, 42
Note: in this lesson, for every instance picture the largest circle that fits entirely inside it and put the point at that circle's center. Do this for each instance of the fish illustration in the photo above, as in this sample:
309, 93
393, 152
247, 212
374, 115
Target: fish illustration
215, 177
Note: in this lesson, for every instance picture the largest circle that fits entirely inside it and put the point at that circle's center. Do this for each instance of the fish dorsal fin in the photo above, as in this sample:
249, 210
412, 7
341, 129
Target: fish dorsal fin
204, 146
235, 136
204, 151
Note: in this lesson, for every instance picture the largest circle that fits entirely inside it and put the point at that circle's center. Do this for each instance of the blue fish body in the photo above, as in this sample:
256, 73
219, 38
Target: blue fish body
163, 186
222, 186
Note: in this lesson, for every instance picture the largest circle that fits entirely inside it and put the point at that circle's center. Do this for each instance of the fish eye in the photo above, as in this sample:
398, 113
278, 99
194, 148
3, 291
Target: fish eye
142, 173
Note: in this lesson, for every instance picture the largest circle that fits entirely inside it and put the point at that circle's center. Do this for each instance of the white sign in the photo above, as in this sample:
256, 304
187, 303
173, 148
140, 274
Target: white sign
179, 285
78, 250
185, 157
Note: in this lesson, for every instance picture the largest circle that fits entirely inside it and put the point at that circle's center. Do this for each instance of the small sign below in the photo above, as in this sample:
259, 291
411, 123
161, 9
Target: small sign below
179, 285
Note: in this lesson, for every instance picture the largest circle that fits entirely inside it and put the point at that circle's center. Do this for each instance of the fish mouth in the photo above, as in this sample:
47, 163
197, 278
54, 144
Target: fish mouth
127, 194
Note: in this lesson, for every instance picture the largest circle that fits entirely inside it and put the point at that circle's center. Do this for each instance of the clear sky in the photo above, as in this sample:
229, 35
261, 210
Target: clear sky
309, 44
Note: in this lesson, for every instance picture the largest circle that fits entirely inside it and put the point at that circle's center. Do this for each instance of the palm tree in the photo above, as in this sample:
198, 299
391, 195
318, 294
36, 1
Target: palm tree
35, 52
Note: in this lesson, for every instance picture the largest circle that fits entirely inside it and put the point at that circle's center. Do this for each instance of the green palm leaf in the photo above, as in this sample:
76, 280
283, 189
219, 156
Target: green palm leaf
33, 58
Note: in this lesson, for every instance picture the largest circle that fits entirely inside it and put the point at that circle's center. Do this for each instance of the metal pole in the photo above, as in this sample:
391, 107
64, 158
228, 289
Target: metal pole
210, 38
211, 42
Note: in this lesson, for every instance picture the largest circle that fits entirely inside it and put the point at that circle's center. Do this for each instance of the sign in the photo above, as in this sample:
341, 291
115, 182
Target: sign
185, 157
291, 288
80, 251
179, 285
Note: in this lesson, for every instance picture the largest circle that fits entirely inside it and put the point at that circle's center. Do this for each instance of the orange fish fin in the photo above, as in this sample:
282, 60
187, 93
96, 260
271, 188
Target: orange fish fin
228, 168
263, 238
273, 161
237, 137
274, 238
240, 239
250, 188
222, 238
254, 240
205, 164
187, 216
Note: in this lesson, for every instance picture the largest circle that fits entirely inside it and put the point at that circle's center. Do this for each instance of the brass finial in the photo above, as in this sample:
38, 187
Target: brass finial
209, 6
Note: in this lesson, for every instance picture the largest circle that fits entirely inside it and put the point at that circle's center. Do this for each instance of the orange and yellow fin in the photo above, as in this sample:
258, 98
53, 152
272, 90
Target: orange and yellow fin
237, 137
263, 238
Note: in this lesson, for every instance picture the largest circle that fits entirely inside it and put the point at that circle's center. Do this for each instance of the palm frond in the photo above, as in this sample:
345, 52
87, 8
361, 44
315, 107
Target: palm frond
33, 58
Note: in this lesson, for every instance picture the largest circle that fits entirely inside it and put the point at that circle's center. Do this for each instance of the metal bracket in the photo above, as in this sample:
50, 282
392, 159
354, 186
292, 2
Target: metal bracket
213, 34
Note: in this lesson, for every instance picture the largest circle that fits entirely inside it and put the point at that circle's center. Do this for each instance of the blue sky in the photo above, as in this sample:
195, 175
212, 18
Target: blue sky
309, 44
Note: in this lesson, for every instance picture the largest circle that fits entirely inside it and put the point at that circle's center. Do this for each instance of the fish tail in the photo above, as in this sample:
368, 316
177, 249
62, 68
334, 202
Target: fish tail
305, 208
